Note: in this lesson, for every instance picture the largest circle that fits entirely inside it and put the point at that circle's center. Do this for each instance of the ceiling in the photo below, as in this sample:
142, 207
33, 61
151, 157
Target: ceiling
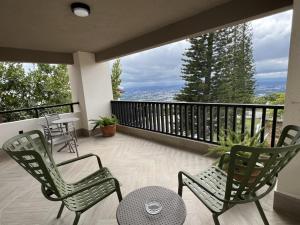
43, 30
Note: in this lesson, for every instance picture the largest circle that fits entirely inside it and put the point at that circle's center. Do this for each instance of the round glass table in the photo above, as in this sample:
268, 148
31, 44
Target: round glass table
135, 208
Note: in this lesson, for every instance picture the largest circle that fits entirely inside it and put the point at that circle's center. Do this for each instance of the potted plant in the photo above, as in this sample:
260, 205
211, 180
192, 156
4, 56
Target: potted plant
226, 142
107, 125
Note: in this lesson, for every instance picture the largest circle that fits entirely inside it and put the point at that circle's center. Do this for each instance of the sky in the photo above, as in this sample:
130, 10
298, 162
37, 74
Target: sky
161, 66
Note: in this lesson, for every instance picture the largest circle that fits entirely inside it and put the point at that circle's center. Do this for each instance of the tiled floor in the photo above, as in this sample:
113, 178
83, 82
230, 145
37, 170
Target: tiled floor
136, 163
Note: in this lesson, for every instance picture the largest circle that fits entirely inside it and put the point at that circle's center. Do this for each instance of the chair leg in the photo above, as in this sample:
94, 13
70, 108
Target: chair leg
75, 144
216, 220
180, 185
60, 210
77, 217
118, 190
261, 212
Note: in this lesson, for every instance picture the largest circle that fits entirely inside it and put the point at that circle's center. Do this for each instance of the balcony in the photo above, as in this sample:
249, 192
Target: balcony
194, 126
136, 163
85, 44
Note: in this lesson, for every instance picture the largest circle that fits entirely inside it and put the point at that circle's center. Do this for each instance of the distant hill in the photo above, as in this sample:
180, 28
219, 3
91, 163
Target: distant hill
166, 93
270, 85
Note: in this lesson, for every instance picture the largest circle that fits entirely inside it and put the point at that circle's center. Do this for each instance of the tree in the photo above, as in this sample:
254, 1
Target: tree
45, 84
272, 99
14, 86
14, 90
218, 67
116, 79
277, 98
197, 70
50, 84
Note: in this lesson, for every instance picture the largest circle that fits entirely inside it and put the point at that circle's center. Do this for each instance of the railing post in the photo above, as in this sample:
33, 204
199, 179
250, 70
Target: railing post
263, 123
253, 121
274, 127
72, 107
36, 112
188, 119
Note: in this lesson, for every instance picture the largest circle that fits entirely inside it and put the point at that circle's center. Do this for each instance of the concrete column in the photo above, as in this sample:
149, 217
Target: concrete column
91, 86
287, 196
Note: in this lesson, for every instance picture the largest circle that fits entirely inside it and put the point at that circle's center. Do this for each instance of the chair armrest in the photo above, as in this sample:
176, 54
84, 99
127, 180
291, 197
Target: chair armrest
84, 188
79, 158
222, 159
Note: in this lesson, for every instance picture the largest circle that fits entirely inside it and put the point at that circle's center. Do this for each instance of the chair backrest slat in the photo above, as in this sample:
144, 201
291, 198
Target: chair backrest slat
51, 117
251, 168
30, 151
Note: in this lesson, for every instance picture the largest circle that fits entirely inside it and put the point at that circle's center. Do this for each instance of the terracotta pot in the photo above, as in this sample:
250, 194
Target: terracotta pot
240, 170
108, 131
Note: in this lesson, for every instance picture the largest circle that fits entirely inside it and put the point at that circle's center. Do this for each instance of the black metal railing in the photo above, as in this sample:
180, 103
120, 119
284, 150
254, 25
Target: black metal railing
200, 121
35, 112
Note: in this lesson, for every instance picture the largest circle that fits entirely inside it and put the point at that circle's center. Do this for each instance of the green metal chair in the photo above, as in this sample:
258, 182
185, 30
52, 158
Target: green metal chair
31, 152
252, 174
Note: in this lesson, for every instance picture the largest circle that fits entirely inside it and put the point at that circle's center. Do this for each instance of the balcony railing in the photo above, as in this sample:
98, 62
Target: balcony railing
200, 121
35, 112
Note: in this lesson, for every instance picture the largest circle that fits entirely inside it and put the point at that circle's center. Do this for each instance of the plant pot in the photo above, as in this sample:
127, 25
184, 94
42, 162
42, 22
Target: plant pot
240, 170
108, 131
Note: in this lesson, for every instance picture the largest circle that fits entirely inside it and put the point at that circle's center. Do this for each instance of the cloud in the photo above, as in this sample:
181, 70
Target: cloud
280, 74
162, 65
272, 65
271, 36
159, 66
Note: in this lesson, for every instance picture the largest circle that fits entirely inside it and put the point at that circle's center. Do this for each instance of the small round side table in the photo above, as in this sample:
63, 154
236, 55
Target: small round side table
132, 211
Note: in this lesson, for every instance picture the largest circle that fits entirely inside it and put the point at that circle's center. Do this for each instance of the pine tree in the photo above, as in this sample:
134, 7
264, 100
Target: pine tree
197, 69
223, 66
116, 79
218, 67
244, 65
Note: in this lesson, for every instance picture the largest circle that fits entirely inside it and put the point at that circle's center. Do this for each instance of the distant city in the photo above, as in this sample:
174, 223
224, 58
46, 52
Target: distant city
264, 86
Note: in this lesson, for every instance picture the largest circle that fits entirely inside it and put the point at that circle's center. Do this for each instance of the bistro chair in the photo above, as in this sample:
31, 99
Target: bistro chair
31, 152
251, 174
56, 129
65, 138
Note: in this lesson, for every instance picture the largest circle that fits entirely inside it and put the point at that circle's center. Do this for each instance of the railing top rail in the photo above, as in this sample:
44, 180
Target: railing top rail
38, 107
209, 104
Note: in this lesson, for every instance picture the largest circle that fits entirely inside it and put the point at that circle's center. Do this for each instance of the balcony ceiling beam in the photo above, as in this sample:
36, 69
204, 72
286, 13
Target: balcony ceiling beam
34, 56
52, 36
233, 12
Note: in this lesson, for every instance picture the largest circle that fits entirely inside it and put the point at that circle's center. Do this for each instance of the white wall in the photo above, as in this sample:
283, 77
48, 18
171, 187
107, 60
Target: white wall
91, 86
11, 129
289, 182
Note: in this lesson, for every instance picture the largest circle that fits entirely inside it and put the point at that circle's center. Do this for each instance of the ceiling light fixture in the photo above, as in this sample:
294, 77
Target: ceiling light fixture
80, 9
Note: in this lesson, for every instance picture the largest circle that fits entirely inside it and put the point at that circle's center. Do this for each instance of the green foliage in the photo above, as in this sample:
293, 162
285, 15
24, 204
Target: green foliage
15, 89
116, 79
226, 142
45, 84
51, 84
104, 121
219, 67
272, 99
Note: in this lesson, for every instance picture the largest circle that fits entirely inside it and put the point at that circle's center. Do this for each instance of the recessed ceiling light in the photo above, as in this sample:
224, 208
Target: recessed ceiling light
80, 9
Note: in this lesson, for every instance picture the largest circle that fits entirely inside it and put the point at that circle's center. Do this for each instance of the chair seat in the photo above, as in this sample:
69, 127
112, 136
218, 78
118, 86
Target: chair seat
214, 179
90, 197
